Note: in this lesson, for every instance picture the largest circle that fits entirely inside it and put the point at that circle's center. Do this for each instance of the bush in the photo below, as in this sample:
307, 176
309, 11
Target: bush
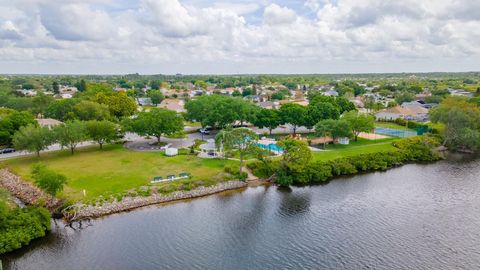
48, 180
415, 149
234, 170
20, 225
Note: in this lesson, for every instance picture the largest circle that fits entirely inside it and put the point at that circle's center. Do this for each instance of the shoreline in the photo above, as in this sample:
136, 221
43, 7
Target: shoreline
82, 211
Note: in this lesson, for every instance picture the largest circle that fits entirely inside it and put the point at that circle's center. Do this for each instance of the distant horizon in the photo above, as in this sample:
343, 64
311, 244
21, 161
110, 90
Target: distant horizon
237, 74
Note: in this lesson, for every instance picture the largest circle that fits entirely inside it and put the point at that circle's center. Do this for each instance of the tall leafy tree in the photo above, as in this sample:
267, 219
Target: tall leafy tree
70, 134
11, 121
89, 110
321, 111
293, 114
119, 103
156, 122
359, 122
62, 109
33, 138
334, 128
101, 132
241, 139
462, 123
269, 119
296, 155
156, 96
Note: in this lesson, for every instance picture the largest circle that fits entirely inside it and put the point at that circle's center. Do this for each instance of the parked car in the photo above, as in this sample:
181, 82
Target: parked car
7, 150
205, 131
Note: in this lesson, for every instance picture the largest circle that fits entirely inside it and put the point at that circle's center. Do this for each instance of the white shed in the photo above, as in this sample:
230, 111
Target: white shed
171, 152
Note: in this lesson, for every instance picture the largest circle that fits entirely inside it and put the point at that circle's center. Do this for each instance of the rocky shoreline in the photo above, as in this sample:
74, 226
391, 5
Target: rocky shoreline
31, 195
26, 192
81, 211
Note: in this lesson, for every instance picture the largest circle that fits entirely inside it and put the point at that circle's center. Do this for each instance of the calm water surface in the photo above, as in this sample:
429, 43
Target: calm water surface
413, 217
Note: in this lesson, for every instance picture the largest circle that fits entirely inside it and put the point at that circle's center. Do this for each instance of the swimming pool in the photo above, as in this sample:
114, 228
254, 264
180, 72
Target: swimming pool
272, 147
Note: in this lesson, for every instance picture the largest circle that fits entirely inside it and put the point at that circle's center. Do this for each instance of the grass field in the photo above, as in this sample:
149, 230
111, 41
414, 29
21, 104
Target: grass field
363, 146
115, 170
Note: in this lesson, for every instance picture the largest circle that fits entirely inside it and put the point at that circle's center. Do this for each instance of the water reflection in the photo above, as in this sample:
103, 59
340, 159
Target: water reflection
412, 217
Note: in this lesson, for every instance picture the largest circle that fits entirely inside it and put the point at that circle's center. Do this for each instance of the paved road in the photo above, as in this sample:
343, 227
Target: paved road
54, 147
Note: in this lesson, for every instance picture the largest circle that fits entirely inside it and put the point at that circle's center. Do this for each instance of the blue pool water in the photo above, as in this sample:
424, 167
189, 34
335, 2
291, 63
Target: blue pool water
272, 147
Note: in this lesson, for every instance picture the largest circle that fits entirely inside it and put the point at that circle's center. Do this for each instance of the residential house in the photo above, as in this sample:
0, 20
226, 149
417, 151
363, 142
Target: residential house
48, 122
177, 105
460, 92
268, 105
144, 101
417, 113
27, 92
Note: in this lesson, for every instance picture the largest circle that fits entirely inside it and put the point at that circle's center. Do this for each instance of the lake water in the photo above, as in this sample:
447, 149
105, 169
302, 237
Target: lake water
412, 217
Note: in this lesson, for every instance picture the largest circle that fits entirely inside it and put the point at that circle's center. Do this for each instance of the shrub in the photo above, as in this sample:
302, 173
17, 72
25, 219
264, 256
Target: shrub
409, 150
20, 225
48, 180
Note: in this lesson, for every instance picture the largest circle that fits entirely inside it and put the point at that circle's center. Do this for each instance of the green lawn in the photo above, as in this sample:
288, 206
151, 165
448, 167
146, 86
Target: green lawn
116, 170
363, 146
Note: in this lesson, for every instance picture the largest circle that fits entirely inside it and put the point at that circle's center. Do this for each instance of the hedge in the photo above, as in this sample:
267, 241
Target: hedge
415, 149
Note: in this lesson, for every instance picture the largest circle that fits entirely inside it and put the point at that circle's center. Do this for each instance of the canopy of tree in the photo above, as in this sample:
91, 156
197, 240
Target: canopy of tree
462, 123
219, 111
19, 226
156, 122
10, 122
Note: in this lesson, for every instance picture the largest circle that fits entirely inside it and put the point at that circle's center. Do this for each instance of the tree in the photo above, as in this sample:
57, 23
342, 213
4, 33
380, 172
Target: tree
33, 138
40, 103
296, 155
81, 85
359, 122
62, 109
48, 180
89, 110
11, 121
321, 111
156, 122
404, 97
236, 93
269, 119
334, 128
462, 123
71, 134
155, 85
293, 114
345, 105
241, 139
101, 131
219, 111
56, 87
118, 103
245, 111
156, 96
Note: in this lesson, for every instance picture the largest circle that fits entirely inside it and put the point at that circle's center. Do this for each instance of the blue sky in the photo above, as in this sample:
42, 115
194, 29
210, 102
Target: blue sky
245, 36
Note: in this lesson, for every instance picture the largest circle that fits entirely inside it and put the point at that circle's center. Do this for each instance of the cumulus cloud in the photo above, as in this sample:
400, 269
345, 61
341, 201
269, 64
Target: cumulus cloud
75, 22
240, 36
275, 14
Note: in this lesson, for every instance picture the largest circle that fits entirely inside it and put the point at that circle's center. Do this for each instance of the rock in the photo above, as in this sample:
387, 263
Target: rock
82, 211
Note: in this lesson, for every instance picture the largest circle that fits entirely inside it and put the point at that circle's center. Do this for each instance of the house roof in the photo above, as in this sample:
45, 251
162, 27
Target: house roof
406, 111
48, 122
173, 104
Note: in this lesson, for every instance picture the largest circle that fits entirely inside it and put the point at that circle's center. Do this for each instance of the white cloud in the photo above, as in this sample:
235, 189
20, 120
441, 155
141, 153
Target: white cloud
167, 35
275, 14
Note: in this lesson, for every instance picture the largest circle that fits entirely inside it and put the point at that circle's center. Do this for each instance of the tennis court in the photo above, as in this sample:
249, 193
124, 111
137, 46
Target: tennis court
395, 132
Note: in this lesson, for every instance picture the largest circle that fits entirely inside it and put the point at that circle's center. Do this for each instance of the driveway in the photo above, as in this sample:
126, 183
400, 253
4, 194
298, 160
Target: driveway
139, 143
